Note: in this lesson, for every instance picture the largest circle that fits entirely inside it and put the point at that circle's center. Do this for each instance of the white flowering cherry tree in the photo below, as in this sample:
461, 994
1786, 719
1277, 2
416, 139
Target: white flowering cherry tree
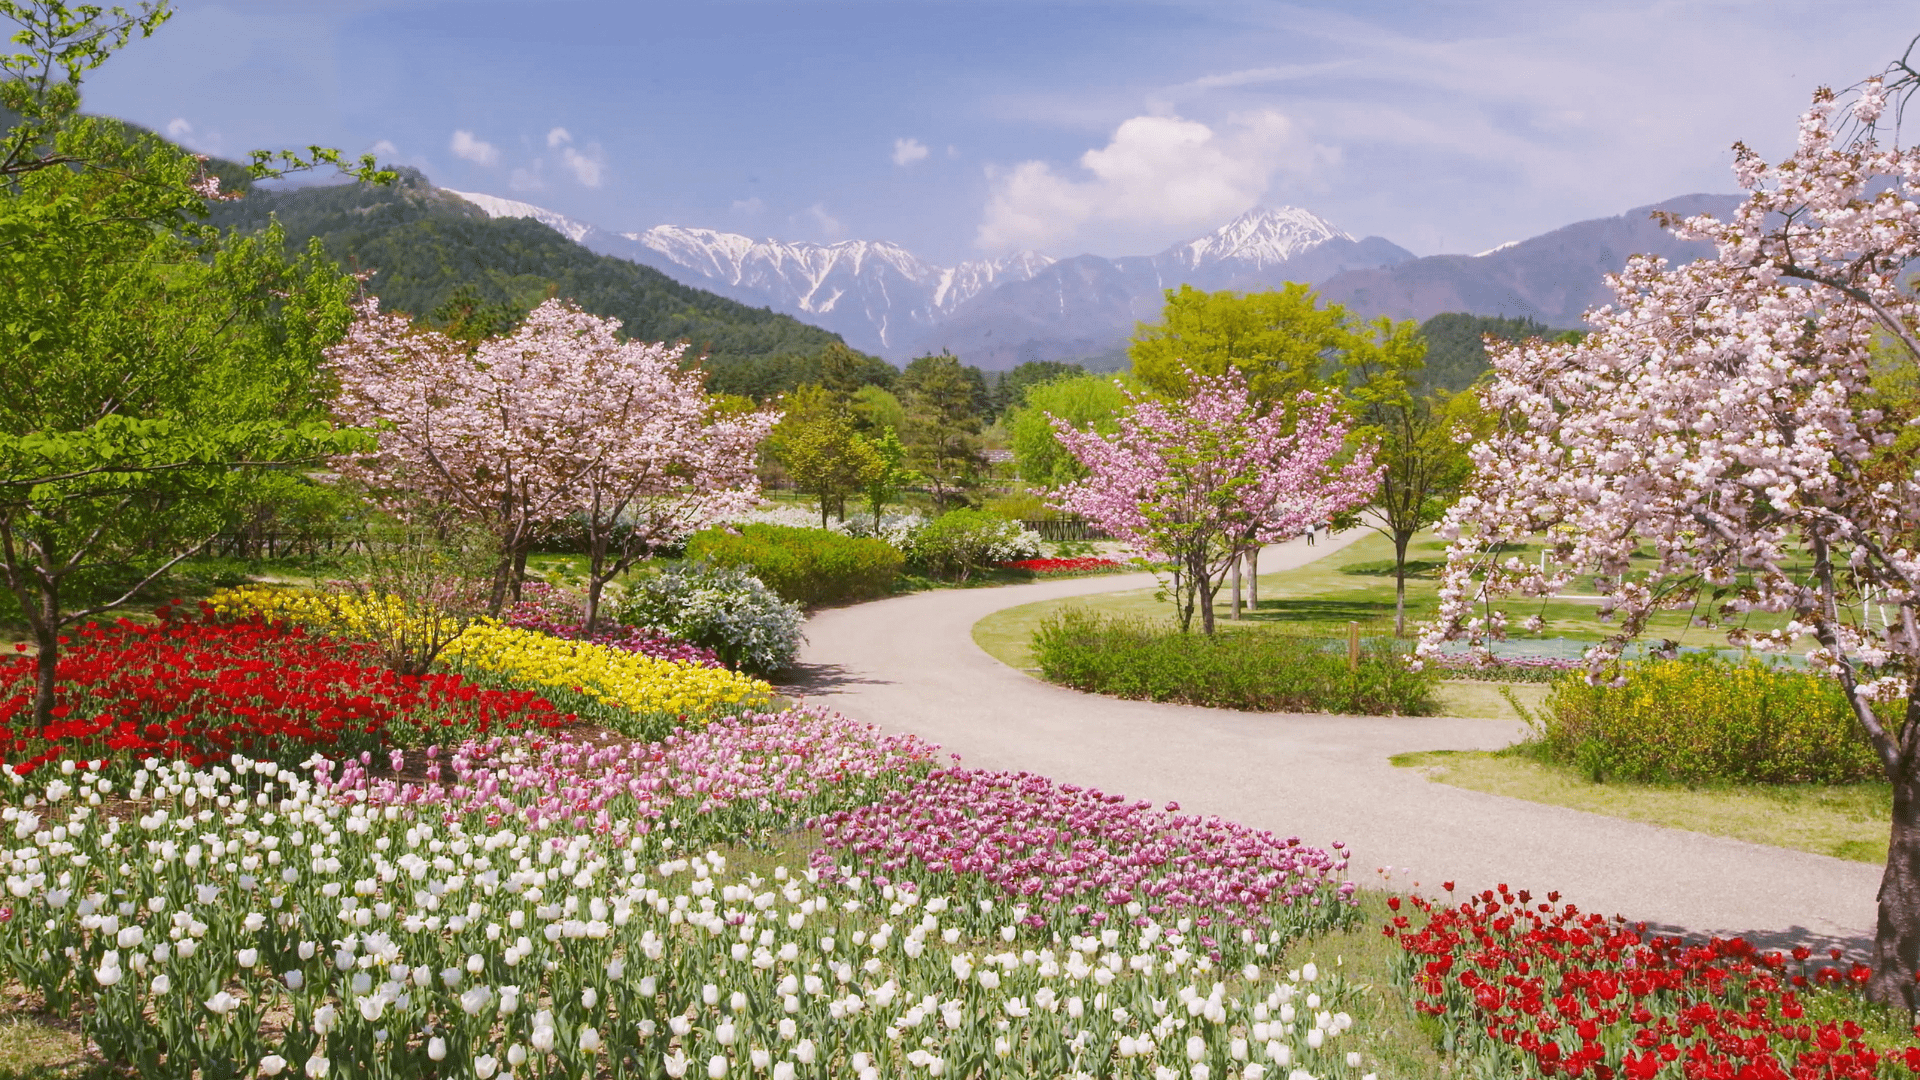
1735, 415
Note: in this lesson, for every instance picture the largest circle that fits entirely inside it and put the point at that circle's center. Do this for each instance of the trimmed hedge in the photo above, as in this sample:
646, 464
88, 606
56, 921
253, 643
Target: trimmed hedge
806, 566
1251, 669
1704, 718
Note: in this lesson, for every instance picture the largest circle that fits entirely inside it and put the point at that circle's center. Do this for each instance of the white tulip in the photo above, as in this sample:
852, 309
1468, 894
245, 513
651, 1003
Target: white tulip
222, 1003
516, 1055
1353, 1059
676, 1064
761, 1059
1315, 1037
589, 1040
1309, 972
272, 1065
783, 1070
1201, 1072
247, 958
803, 1051
161, 984
316, 1067
436, 1049
724, 1034
484, 1065
717, 1067
589, 997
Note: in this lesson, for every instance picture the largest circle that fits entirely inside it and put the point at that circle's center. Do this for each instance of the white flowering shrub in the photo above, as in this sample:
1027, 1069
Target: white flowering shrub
725, 609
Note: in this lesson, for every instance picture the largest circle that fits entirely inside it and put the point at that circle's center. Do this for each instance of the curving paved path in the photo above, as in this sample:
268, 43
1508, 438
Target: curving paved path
910, 664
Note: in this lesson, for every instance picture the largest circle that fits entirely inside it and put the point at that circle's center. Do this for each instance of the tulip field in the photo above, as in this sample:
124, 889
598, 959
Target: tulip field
536, 908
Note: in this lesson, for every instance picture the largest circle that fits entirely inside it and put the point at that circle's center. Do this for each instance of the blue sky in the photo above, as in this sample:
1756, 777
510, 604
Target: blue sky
975, 127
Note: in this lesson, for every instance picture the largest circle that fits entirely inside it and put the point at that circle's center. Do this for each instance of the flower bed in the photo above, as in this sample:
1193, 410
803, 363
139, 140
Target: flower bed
1064, 567
1540, 989
201, 689
632, 693
1076, 860
384, 937
547, 610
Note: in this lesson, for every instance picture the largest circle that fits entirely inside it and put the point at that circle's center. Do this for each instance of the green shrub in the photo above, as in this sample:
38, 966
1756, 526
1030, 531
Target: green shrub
1704, 718
806, 566
959, 542
1254, 670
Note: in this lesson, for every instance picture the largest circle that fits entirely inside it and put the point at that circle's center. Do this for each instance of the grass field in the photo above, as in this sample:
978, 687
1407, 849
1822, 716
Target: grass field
1846, 822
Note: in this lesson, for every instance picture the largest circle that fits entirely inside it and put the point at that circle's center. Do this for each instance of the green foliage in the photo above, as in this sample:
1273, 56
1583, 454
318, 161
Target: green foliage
723, 608
1252, 670
806, 566
437, 253
1083, 401
1700, 719
875, 409
764, 378
1281, 340
884, 484
1008, 389
960, 542
944, 401
1456, 353
826, 457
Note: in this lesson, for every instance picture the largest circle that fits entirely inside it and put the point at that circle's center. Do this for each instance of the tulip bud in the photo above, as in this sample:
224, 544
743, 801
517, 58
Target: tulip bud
272, 1065
437, 1049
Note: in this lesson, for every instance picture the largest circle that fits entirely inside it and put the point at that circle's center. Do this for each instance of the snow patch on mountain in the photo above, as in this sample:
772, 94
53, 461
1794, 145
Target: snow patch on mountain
1259, 238
576, 231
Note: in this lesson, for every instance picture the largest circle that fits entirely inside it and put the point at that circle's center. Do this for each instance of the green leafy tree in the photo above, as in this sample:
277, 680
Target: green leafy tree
153, 377
1416, 435
1281, 341
1084, 401
876, 409
943, 426
1009, 388
892, 476
826, 457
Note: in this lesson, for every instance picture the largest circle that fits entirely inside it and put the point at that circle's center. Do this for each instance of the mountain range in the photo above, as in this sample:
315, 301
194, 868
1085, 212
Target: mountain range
997, 313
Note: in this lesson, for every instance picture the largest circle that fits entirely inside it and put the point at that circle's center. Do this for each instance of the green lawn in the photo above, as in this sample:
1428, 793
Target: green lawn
1846, 822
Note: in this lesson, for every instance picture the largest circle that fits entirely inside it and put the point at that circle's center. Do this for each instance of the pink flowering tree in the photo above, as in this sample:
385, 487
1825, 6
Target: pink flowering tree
662, 462
558, 421
1750, 418
1195, 482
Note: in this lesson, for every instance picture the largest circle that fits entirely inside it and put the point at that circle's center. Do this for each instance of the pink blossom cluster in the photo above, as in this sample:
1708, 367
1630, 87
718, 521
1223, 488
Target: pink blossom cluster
733, 779
547, 610
1077, 857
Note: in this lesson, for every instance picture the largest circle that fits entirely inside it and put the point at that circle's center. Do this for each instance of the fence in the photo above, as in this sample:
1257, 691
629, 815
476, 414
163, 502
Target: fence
1056, 530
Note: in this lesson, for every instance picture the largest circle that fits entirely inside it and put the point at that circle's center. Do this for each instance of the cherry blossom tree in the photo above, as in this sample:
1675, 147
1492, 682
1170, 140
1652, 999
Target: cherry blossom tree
1750, 418
558, 420
1198, 481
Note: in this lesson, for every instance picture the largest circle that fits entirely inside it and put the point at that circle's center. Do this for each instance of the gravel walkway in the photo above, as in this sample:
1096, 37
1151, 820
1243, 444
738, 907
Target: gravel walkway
910, 664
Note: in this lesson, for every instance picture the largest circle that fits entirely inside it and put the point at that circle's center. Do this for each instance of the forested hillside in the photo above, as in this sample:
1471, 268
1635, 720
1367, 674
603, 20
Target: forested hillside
438, 256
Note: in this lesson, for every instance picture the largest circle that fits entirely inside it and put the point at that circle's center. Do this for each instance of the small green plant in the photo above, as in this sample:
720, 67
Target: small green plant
806, 566
1704, 718
1253, 670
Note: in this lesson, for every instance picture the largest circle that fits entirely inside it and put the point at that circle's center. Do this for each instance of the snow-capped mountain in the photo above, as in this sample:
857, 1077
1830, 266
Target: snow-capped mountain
998, 312
1257, 239
576, 231
876, 294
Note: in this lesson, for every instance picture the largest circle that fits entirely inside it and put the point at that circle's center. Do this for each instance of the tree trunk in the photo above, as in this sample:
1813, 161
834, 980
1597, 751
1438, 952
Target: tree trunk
1236, 587
1400, 540
46, 638
1204, 590
596, 576
1253, 579
1896, 945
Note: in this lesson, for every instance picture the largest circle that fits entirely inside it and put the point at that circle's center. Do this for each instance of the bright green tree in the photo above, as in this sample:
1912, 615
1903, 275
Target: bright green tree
1280, 341
1417, 437
816, 441
876, 409
885, 482
1085, 401
154, 378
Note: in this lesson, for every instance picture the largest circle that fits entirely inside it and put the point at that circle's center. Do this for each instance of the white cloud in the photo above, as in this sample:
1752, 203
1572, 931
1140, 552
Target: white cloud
750, 207
587, 168
825, 224
908, 151
1158, 179
531, 178
178, 128
475, 150
384, 148
558, 136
